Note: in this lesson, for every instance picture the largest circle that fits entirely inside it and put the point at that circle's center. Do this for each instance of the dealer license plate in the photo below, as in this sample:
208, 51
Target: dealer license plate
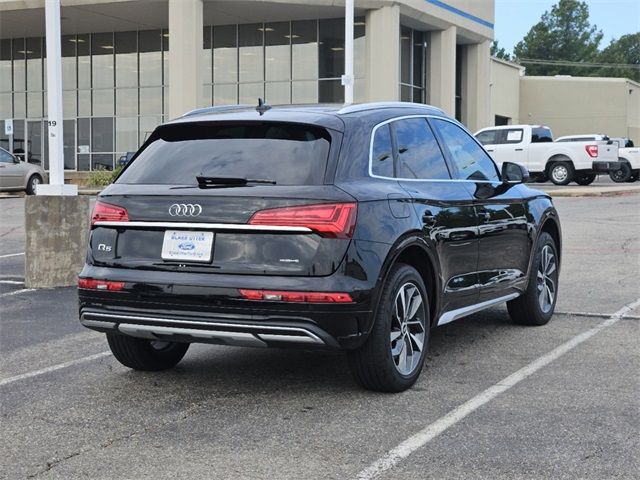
187, 246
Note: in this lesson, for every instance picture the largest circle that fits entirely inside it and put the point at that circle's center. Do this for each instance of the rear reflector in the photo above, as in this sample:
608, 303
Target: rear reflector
91, 284
335, 220
592, 150
295, 297
105, 212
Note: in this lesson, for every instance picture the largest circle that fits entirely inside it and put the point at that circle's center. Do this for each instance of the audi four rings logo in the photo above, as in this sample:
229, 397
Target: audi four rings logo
185, 210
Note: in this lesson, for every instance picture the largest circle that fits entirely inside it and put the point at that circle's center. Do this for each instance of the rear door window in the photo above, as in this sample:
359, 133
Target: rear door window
419, 155
488, 137
541, 135
382, 153
287, 153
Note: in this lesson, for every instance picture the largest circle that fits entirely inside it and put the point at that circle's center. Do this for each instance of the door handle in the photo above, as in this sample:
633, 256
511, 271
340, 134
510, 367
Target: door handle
519, 149
489, 149
484, 216
428, 218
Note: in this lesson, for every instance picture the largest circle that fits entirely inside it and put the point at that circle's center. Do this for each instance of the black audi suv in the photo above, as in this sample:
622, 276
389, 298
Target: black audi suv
356, 228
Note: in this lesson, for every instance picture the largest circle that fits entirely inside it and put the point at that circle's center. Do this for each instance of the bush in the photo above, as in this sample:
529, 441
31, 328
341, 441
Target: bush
103, 177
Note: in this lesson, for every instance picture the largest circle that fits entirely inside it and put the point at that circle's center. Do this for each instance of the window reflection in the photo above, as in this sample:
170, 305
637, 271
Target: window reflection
304, 39
126, 59
331, 35
250, 41
225, 54
102, 71
149, 46
277, 51
5, 66
33, 54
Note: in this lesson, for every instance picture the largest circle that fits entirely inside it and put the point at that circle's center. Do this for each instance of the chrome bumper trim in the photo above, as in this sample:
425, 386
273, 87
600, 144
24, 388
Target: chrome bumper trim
447, 317
206, 226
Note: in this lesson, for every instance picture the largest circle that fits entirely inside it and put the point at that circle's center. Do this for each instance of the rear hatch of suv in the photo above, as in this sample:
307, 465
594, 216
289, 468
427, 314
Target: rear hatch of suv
250, 197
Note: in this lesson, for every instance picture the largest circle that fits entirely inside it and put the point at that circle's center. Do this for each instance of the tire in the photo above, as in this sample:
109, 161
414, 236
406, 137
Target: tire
623, 174
585, 179
634, 176
535, 306
561, 173
382, 364
34, 180
146, 355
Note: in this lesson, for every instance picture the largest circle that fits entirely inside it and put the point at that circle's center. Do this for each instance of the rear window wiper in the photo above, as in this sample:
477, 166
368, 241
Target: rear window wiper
221, 182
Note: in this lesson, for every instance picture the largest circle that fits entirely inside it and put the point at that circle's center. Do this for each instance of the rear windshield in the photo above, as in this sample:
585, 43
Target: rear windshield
289, 154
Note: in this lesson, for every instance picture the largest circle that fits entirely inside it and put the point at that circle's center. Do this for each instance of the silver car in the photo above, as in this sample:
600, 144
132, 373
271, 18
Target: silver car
19, 175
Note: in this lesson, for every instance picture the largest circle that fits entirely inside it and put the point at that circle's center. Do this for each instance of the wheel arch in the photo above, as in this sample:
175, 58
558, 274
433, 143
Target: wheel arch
558, 157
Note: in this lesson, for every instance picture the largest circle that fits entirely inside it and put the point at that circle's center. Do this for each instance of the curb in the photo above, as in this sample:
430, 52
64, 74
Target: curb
594, 193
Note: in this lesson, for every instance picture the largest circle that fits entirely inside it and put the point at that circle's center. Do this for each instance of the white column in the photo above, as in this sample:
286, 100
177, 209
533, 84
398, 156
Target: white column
185, 47
476, 79
383, 54
442, 70
54, 105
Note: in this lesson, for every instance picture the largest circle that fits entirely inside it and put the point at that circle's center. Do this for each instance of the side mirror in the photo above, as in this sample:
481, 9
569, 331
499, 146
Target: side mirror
514, 173
16, 159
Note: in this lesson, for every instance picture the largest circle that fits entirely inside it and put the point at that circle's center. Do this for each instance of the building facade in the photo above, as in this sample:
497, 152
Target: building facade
129, 65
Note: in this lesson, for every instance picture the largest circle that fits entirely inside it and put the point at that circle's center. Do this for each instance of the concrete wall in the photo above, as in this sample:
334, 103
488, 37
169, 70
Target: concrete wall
572, 105
383, 54
505, 90
633, 112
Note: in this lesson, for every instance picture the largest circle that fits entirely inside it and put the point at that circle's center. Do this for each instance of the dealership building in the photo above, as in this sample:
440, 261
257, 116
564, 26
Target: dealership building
129, 65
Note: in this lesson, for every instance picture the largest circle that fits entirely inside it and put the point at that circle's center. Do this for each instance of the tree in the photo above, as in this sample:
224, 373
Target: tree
625, 50
499, 52
563, 34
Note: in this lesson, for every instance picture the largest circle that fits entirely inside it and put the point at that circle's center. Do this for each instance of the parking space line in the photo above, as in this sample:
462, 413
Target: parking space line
16, 292
424, 436
11, 282
53, 368
12, 255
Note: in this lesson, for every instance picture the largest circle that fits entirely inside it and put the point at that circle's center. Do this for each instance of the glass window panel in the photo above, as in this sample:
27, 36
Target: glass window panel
304, 91
150, 45
84, 102
359, 46
18, 138
34, 63
405, 93
83, 162
418, 58
417, 95
19, 105
84, 137
5, 66
19, 65
34, 104
250, 40
68, 47
126, 59
126, 101
206, 97
207, 56
419, 156
381, 155
147, 126
304, 39
250, 92
225, 94
34, 142
5, 107
69, 136
225, 54
331, 34
102, 162
330, 91
102, 60
277, 51
83, 44
102, 134
127, 134
102, 102
165, 57
150, 101
405, 54
277, 93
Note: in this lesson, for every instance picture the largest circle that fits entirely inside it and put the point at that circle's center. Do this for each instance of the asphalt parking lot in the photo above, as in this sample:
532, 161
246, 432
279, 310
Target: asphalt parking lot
495, 401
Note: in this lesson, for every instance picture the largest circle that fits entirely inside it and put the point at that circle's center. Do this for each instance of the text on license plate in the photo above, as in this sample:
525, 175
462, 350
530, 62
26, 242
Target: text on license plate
189, 246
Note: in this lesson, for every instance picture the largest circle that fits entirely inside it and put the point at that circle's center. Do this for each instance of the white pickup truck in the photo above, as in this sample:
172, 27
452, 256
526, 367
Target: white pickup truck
628, 155
561, 162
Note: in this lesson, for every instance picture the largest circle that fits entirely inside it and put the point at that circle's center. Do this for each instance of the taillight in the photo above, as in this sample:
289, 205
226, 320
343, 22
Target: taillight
592, 150
336, 220
91, 284
295, 297
105, 212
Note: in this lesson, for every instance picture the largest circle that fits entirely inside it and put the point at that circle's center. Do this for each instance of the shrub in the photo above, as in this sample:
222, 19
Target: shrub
103, 177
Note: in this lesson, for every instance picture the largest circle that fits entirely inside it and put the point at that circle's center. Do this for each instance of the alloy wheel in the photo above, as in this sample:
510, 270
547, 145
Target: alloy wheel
560, 173
408, 329
546, 279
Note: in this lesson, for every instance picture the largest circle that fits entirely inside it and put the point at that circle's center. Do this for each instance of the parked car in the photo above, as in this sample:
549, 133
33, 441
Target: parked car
356, 228
126, 158
16, 174
533, 147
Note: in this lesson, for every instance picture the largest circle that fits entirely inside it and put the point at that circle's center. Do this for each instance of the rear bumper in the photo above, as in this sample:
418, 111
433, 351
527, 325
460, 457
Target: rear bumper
209, 309
603, 166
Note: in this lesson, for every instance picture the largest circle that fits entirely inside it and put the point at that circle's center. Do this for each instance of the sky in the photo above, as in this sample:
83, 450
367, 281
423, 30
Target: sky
514, 18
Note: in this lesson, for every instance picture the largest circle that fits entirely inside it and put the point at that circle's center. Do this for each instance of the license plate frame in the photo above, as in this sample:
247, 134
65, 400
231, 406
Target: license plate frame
187, 246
